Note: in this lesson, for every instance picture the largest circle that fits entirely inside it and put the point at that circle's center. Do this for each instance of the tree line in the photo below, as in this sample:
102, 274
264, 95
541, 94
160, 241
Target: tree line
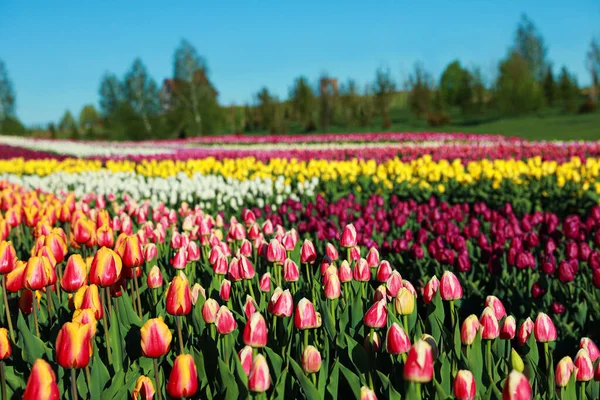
136, 107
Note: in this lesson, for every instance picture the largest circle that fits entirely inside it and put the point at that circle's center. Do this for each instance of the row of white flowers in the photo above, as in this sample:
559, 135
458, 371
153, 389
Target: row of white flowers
208, 191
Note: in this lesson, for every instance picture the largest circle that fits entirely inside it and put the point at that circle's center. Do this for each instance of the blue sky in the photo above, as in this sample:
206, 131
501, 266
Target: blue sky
56, 51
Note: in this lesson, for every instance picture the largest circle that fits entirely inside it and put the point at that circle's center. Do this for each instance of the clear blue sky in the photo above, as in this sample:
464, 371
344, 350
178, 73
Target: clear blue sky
56, 51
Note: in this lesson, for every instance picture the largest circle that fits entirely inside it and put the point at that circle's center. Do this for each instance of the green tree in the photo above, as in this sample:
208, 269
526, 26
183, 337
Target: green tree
7, 95
328, 99
265, 109
141, 93
456, 86
384, 90
111, 94
193, 91
68, 125
568, 90
350, 101
593, 65
549, 86
479, 90
88, 119
302, 100
517, 91
529, 44
366, 107
420, 88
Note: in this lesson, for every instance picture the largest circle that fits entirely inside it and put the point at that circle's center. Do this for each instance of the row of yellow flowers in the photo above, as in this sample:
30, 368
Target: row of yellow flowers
388, 172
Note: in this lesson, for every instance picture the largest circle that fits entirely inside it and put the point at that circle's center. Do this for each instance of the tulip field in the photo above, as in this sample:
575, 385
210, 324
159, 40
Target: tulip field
390, 266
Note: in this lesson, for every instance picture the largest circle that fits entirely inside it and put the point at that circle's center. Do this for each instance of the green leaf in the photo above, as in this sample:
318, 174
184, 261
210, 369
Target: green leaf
82, 387
334, 377
32, 347
117, 382
358, 355
114, 335
475, 360
310, 391
228, 380
99, 375
352, 379
129, 317
445, 376
391, 392
276, 362
280, 384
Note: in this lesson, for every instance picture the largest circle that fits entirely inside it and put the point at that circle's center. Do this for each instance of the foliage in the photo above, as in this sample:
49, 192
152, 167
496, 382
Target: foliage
420, 88
516, 91
384, 88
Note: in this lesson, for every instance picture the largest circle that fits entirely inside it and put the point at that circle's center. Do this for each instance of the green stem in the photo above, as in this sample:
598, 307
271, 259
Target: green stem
405, 322
3, 380
7, 309
35, 316
157, 379
50, 303
275, 327
452, 317
314, 379
250, 289
488, 360
582, 391
305, 338
332, 309
137, 292
74, 384
108, 302
88, 377
418, 390
105, 323
155, 297
179, 335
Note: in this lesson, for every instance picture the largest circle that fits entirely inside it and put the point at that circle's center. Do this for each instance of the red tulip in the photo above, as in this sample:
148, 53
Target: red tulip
245, 356
496, 304
564, 370
431, 289
38, 273
524, 331
396, 340
197, 290
105, 236
225, 322
469, 330
155, 338
450, 288
255, 331
373, 257
345, 272
584, 366
376, 316
544, 329
290, 271
509, 328
154, 278
331, 252
144, 389
210, 308
419, 363
305, 316
275, 252
246, 268
259, 380
308, 253
393, 283
106, 267
348, 238
179, 297
590, 346
332, 287
41, 384
89, 297
367, 394
180, 259
516, 387
73, 346
489, 324
464, 385
8, 257
225, 290
311, 360
281, 303
75, 274
362, 272
265, 282
5, 347
183, 380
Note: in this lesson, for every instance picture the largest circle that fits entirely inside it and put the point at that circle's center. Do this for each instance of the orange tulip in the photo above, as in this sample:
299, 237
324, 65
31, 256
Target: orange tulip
56, 243
8, 257
106, 267
183, 381
83, 231
156, 338
179, 297
14, 279
144, 389
38, 273
5, 347
31, 215
88, 297
41, 384
106, 236
75, 274
130, 251
87, 317
73, 345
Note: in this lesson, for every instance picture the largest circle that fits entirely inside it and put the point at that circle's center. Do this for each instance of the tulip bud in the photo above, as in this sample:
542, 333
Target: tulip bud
156, 338
305, 316
225, 290
41, 383
154, 278
384, 271
210, 308
73, 346
516, 361
354, 254
197, 290
224, 321
179, 297
281, 303
524, 331
144, 389
75, 274
14, 279
469, 330
311, 360
509, 328
88, 297
367, 394
345, 272
348, 237
106, 267
404, 302
38, 273
308, 253
394, 283
373, 257
376, 316
431, 289
245, 356
489, 324
183, 380
8, 257
180, 259
150, 252
396, 340
85, 316
516, 387
259, 380
450, 288
5, 346
584, 366
590, 346
265, 282
563, 372
464, 385
496, 304
372, 342
419, 363
544, 329
275, 252
331, 252
255, 331
290, 271
333, 287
